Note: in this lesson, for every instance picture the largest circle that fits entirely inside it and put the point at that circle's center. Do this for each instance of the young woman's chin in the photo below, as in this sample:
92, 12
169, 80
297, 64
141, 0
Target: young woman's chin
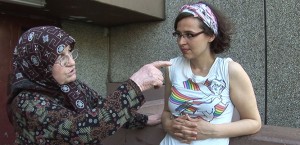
187, 56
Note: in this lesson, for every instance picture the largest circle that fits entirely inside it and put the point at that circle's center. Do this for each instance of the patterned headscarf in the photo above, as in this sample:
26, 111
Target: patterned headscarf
203, 12
34, 56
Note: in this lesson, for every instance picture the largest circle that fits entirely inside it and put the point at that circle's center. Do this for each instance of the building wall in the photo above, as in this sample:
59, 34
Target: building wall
265, 42
92, 63
283, 69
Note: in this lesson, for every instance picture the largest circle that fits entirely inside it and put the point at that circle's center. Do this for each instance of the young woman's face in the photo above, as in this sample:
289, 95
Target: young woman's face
192, 42
63, 70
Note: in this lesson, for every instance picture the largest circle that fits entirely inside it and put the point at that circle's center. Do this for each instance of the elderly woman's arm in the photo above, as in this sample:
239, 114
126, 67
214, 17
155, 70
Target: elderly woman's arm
44, 119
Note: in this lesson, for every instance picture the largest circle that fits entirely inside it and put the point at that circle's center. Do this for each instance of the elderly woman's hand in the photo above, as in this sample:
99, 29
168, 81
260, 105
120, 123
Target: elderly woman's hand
154, 119
149, 75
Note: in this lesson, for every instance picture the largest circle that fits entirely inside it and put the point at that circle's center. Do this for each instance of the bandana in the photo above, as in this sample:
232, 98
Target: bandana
34, 56
204, 12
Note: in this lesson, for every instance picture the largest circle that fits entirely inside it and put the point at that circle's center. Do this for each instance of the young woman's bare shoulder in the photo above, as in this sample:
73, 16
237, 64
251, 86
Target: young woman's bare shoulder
234, 68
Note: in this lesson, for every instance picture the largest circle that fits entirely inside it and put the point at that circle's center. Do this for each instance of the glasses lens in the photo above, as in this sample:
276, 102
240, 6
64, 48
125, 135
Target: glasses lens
176, 34
74, 54
64, 60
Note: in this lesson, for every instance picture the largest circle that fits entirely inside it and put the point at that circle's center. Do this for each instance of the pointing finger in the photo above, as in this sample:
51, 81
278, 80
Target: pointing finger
159, 64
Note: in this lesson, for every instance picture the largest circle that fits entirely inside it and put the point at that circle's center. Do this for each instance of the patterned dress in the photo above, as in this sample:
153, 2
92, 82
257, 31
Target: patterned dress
44, 118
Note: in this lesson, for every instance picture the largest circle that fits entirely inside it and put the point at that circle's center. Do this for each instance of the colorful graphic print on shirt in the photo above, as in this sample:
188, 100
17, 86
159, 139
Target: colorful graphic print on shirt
208, 102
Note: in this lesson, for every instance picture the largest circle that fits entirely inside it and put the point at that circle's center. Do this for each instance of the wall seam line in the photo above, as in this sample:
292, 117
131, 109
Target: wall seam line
266, 63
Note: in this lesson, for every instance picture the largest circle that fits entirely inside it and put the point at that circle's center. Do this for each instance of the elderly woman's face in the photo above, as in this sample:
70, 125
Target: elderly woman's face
63, 70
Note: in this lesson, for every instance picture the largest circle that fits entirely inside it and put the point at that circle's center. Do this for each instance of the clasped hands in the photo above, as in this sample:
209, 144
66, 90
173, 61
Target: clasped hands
187, 129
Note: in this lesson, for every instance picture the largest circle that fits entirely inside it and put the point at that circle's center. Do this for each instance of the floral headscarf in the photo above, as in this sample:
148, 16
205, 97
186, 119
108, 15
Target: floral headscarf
203, 12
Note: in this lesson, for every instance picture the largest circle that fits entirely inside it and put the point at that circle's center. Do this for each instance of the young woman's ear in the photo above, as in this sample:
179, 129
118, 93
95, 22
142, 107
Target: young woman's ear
212, 38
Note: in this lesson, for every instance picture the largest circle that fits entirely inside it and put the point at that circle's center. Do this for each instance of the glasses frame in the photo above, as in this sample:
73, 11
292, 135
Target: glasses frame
64, 60
186, 36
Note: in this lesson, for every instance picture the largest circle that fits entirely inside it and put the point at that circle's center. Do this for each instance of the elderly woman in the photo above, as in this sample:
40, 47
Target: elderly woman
48, 105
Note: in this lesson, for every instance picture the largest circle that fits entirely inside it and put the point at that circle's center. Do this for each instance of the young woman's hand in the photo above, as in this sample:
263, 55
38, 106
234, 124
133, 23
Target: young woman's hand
203, 128
189, 129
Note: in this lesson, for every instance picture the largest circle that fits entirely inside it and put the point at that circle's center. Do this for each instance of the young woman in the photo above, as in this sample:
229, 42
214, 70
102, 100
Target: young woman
203, 89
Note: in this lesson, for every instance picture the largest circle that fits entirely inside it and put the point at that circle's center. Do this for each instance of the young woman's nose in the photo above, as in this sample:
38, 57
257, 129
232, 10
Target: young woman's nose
181, 40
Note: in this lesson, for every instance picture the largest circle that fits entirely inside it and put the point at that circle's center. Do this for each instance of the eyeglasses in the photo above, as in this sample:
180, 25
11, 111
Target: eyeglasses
64, 60
187, 36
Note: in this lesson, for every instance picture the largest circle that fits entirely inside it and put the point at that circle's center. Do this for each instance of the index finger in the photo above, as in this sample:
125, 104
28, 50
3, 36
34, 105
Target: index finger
159, 64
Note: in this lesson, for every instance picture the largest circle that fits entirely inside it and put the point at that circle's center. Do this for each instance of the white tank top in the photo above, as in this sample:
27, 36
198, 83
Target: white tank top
200, 97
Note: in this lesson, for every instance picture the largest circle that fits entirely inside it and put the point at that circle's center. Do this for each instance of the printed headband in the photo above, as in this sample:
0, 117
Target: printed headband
204, 12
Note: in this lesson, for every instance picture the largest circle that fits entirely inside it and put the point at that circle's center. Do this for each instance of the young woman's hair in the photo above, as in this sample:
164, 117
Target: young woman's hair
221, 43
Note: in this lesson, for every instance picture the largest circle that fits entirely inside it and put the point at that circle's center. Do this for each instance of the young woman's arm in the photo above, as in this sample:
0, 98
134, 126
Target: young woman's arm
172, 126
243, 97
166, 114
